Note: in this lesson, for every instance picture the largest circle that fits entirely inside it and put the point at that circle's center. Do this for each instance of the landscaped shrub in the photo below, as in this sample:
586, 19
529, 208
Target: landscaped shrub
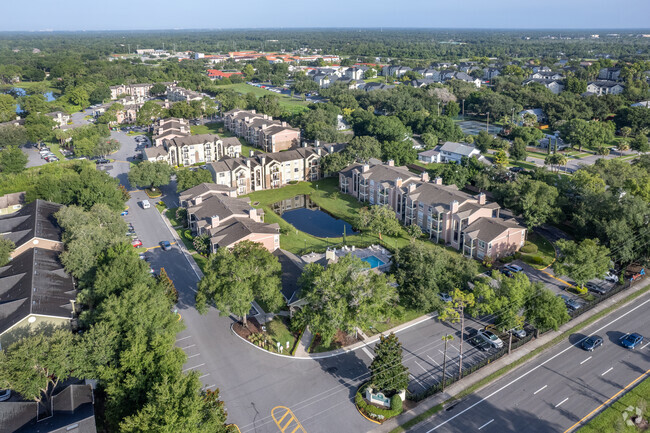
529, 248
538, 260
374, 412
506, 259
517, 255
396, 403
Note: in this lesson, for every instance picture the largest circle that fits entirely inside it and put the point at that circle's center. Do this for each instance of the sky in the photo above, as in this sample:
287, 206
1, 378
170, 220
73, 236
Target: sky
227, 14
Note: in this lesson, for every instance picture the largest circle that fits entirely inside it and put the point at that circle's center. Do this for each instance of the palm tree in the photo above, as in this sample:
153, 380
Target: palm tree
561, 159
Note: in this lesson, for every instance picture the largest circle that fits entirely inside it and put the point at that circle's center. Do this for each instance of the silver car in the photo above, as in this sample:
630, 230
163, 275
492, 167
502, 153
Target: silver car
490, 338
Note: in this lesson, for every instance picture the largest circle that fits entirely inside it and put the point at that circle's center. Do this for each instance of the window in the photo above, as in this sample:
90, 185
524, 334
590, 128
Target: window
481, 244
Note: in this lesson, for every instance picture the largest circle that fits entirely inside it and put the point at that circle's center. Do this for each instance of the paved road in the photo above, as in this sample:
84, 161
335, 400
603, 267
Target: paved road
560, 387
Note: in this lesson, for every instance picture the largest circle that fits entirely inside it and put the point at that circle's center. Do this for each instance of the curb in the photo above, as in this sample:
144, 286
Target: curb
352, 347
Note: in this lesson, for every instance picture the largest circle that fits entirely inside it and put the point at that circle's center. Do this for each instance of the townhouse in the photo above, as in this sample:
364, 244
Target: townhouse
465, 222
261, 130
554, 86
60, 118
227, 220
268, 170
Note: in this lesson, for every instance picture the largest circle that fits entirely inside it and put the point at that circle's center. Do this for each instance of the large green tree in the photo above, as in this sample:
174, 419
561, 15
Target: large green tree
582, 261
151, 174
544, 310
186, 179
235, 278
39, 127
7, 108
533, 199
344, 296
387, 373
13, 135
378, 219
6, 248
149, 112
12, 160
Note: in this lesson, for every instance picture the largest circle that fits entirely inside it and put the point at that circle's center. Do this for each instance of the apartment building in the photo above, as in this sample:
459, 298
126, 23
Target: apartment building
193, 149
261, 130
168, 129
135, 90
228, 220
443, 211
176, 94
268, 170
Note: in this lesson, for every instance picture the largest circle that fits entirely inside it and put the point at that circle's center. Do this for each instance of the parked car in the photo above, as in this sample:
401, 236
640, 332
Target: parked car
516, 169
165, 245
124, 213
508, 273
570, 303
490, 338
592, 343
630, 341
595, 288
142, 256
513, 268
479, 343
5, 394
518, 332
444, 297
102, 161
145, 204
136, 243
611, 277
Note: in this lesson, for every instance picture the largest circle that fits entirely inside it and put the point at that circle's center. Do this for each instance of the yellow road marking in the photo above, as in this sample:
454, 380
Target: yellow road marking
285, 411
234, 425
629, 385
157, 246
559, 279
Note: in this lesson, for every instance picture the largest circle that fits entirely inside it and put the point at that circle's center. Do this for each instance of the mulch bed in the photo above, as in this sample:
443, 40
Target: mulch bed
253, 328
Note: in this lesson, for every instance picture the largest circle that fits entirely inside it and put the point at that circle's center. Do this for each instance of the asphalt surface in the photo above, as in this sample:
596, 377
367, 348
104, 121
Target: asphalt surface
559, 388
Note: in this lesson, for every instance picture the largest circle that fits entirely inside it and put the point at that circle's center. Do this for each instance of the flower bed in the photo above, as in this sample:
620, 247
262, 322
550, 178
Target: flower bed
374, 412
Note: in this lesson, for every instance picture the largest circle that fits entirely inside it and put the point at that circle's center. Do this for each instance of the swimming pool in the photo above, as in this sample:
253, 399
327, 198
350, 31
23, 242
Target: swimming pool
373, 261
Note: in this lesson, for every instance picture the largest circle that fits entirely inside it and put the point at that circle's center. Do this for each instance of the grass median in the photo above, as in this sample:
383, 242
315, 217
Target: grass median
497, 374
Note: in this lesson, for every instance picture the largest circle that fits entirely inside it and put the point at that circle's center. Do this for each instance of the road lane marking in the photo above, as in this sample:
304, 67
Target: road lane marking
610, 369
540, 389
629, 385
187, 347
486, 424
367, 352
189, 336
192, 368
585, 360
417, 381
276, 411
561, 402
537, 367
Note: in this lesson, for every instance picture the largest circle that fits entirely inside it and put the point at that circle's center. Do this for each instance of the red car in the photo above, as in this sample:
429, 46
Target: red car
136, 243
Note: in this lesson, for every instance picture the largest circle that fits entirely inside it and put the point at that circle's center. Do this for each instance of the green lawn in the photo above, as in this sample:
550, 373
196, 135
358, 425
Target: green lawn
608, 421
218, 128
400, 315
288, 103
200, 261
279, 332
326, 195
545, 250
171, 216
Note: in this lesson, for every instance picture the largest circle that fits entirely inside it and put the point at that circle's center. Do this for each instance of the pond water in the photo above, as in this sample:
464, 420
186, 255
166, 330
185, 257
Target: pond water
19, 91
303, 214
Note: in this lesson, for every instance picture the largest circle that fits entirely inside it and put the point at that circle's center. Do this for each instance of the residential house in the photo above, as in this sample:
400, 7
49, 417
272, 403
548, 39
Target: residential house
609, 74
554, 86
490, 73
72, 411
442, 211
455, 152
368, 87
604, 88
227, 220
60, 118
355, 72
394, 71
537, 113
547, 75
430, 156
429, 73
268, 170
462, 76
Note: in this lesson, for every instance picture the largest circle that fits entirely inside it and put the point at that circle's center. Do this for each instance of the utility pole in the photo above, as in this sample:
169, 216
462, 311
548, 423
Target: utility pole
487, 123
513, 115
445, 338
438, 108
463, 109
129, 48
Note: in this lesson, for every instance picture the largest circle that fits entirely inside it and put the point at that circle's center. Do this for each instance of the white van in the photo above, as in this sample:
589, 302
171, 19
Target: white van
145, 204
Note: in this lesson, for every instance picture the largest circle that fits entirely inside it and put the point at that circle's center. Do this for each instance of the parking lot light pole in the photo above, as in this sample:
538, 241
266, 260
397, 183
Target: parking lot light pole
445, 338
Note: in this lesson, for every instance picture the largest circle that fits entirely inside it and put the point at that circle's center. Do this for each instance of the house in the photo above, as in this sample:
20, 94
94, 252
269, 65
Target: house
322, 80
553, 85
609, 74
430, 73
490, 73
268, 170
168, 129
604, 88
215, 74
430, 156
72, 411
537, 113
227, 220
60, 118
394, 71
377, 86
442, 211
455, 152
462, 76
554, 141
261, 130
355, 72
547, 75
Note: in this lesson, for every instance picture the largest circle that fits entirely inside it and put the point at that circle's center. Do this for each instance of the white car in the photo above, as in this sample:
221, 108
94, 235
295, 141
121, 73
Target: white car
518, 332
146, 204
611, 277
444, 297
490, 338
5, 394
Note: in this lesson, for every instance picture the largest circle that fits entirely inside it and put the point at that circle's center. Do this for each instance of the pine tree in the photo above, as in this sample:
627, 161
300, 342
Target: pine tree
168, 286
387, 372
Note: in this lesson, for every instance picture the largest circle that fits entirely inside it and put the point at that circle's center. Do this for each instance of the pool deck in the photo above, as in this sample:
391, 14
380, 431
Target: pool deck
374, 250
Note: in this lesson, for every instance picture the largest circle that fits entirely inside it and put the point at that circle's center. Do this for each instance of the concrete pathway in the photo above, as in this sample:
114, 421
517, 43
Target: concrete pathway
304, 343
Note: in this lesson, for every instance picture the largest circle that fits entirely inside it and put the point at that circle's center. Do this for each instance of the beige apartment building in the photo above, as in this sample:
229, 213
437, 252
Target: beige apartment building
261, 130
465, 222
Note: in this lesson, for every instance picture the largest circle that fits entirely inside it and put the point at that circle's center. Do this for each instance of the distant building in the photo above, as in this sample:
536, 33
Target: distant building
609, 74
261, 130
555, 86
138, 90
605, 88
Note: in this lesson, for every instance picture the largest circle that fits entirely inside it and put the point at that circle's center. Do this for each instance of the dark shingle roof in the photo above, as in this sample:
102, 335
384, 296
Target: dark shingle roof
35, 220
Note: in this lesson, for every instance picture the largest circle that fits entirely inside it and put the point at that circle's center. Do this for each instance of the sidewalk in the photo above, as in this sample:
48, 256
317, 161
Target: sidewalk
458, 387
304, 343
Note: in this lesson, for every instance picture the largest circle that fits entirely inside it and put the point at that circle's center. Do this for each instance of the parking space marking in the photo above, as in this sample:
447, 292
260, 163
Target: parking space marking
417, 381
557, 405
427, 371
432, 360
540, 389
646, 345
486, 424
585, 360
205, 375
192, 356
183, 338
367, 352
187, 347
610, 369
192, 368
